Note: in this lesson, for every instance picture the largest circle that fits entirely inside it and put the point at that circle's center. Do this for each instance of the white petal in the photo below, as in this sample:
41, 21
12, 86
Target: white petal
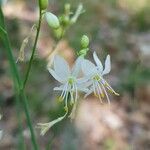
53, 73
58, 88
85, 84
98, 62
61, 67
107, 65
77, 67
88, 67
82, 80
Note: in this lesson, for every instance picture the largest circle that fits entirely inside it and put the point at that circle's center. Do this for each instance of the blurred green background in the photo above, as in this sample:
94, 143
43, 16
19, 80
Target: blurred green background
118, 27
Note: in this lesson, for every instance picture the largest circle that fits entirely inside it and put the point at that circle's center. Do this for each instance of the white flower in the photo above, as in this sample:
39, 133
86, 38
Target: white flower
70, 85
95, 75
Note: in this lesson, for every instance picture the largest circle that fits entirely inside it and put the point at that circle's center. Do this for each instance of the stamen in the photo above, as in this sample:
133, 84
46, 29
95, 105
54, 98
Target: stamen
63, 94
101, 92
76, 92
72, 114
109, 87
98, 91
94, 88
66, 102
72, 100
106, 94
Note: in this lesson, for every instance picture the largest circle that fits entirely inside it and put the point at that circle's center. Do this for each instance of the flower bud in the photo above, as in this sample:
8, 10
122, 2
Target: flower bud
84, 41
64, 20
59, 32
43, 4
52, 20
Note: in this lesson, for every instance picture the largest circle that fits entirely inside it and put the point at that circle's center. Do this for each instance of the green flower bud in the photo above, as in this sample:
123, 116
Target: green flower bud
64, 20
83, 52
84, 41
43, 4
52, 20
59, 32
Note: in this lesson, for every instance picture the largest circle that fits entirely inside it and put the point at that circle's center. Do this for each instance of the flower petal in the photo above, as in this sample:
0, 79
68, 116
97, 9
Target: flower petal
82, 80
77, 67
61, 67
98, 62
60, 88
88, 68
107, 65
53, 73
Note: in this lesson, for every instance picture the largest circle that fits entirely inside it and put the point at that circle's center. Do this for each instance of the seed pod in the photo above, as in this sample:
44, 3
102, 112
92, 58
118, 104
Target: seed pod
84, 41
52, 20
43, 4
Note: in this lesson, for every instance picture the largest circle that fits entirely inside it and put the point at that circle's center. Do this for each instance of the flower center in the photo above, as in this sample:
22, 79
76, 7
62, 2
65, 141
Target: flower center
71, 80
97, 77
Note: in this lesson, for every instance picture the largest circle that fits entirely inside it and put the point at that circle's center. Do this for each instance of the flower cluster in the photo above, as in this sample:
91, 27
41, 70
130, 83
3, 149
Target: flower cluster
84, 76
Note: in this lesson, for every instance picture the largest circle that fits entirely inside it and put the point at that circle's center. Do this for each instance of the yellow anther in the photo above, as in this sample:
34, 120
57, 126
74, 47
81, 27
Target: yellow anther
71, 81
102, 95
97, 78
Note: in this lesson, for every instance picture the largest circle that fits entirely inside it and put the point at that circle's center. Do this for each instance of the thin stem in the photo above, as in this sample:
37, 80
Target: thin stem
17, 81
33, 50
21, 144
26, 109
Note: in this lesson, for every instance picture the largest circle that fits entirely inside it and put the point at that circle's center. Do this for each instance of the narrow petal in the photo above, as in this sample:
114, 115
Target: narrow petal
84, 85
82, 80
77, 67
61, 67
107, 65
98, 62
58, 88
88, 68
53, 73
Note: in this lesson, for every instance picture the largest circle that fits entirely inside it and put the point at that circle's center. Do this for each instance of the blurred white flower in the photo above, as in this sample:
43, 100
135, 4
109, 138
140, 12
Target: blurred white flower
94, 73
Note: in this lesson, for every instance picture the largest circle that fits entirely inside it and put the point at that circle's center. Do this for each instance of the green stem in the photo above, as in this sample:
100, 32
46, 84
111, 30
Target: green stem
15, 74
21, 144
26, 109
33, 50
